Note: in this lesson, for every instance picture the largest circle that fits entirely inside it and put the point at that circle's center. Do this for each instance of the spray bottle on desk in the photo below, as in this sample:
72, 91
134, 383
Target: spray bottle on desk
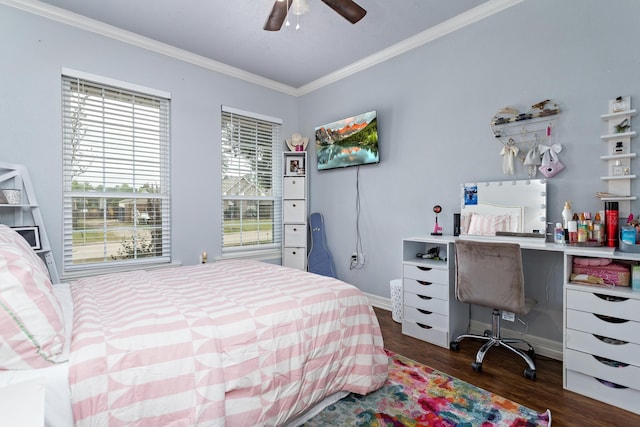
567, 215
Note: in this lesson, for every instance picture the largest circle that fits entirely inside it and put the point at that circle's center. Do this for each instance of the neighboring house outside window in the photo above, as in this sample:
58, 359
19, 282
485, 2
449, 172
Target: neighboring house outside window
251, 184
116, 174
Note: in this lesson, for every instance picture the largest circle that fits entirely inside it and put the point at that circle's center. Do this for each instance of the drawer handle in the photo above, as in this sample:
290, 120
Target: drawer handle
424, 297
609, 383
609, 319
608, 340
423, 268
424, 283
610, 362
610, 298
423, 326
424, 311
295, 229
293, 204
294, 252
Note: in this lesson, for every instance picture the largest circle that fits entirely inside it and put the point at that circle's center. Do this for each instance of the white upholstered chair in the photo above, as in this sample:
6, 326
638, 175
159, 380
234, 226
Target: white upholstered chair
490, 274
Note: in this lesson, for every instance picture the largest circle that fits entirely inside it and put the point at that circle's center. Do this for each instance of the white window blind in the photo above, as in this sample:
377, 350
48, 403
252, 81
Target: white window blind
251, 182
116, 176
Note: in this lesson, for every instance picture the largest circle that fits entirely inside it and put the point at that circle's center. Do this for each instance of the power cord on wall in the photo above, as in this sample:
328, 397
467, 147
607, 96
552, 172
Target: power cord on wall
357, 261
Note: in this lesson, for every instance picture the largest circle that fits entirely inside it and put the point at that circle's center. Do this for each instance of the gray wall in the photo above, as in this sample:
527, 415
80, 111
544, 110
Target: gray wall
34, 50
434, 106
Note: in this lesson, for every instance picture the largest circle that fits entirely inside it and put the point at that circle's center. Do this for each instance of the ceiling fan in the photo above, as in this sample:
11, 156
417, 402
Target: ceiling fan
348, 9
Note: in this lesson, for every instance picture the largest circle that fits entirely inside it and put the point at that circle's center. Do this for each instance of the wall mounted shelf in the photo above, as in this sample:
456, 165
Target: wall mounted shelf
613, 178
619, 154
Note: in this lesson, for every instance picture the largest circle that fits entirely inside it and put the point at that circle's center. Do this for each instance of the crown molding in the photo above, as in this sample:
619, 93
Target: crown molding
478, 13
94, 26
487, 9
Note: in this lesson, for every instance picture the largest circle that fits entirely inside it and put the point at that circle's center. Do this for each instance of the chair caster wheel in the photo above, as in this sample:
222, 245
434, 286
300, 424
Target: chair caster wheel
477, 367
530, 373
454, 345
487, 332
532, 354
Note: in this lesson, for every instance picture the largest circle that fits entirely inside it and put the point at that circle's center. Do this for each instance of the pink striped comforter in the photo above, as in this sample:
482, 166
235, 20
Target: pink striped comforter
236, 343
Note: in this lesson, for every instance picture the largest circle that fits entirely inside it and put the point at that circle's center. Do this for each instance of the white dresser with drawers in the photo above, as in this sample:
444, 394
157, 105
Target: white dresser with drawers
430, 310
602, 344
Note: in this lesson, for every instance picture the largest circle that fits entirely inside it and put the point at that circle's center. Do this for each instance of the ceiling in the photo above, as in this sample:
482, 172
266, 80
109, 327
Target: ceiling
231, 32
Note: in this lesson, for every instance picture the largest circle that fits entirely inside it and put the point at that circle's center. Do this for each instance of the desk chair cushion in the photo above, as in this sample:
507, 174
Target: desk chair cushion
490, 274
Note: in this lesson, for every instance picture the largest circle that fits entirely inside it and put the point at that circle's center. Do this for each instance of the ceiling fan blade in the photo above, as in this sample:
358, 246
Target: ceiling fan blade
347, 8
277, 16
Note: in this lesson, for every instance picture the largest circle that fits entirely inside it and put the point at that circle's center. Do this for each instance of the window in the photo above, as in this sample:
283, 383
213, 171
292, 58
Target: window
251, 182
116, 175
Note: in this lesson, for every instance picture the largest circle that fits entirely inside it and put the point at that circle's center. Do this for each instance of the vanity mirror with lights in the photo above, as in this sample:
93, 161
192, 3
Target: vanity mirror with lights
504, 208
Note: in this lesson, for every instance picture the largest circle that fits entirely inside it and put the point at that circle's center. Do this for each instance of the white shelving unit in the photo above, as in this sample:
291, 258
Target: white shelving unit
619, 154
27, 212
294, 209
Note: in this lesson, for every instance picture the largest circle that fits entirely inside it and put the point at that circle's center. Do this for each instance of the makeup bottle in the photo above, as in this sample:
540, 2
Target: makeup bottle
617, 169
598, 229
618, 105
611, 223
566, 214
573, 231
582, 229
559, 234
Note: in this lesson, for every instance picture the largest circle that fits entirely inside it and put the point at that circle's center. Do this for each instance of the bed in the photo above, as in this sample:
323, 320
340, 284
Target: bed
236, 342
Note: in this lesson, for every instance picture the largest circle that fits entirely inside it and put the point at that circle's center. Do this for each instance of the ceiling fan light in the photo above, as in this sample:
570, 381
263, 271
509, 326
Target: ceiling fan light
300, 7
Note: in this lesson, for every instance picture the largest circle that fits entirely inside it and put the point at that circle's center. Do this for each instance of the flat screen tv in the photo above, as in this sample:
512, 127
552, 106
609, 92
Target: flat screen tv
348, 142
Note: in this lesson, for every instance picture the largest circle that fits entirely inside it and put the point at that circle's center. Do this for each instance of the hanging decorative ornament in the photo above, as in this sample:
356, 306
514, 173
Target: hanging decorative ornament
508, 152
551, 164
532, 160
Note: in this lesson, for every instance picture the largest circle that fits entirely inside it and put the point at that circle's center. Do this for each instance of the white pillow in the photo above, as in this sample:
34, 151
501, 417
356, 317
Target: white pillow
488, 225
31, 321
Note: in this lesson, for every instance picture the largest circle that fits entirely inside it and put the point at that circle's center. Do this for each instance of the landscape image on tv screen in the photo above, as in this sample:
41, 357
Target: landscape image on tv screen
348, 142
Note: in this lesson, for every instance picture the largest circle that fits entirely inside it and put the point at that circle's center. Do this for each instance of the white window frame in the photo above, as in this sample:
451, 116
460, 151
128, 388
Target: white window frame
267, 128
151, 167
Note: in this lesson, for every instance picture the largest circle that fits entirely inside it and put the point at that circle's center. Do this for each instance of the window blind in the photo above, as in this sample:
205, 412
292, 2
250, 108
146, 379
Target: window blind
116, 175
251, 182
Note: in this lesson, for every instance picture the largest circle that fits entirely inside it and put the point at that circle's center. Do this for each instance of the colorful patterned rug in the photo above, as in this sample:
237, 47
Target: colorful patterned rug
416, 395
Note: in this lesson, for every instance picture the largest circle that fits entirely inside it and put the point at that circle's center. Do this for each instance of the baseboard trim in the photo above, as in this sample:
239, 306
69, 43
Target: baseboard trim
544, 347
379, 302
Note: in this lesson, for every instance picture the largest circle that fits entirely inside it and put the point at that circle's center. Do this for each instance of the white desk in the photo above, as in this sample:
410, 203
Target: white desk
432, 314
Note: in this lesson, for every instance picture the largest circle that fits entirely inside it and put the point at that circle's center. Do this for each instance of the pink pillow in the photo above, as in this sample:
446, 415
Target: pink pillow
488, 225
31, 322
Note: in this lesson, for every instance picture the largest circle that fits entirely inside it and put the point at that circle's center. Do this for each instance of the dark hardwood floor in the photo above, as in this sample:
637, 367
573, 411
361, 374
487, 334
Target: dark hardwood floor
502, 373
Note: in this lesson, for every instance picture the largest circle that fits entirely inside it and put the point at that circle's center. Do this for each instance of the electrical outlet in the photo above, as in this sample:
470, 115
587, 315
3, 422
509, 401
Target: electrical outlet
354, 258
